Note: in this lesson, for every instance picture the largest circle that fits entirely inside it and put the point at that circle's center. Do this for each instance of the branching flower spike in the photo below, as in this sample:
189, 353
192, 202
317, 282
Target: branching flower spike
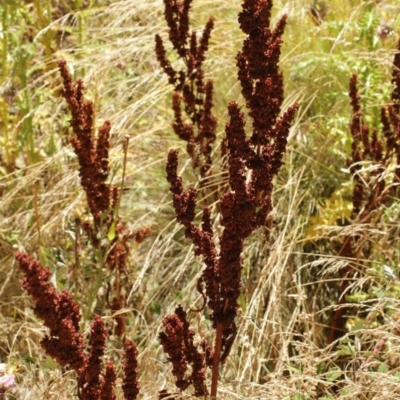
253, 162
371, 191
67, 345
189, 86
102, 197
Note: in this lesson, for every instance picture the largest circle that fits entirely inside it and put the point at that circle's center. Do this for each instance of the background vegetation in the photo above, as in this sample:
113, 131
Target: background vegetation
291, 272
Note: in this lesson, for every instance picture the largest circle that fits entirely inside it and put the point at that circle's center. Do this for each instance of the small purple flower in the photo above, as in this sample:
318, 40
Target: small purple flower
7, 382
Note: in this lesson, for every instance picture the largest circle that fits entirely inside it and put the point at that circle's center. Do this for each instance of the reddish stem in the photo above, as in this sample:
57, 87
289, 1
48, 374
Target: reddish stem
217, 357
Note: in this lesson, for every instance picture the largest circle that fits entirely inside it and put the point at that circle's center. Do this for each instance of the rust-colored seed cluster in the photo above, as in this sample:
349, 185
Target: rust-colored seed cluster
58, 311
65, 343
178, 344
102, 198
130, 384
365, 147
370, 190
92, 154
369, 146
189, 86
247, 205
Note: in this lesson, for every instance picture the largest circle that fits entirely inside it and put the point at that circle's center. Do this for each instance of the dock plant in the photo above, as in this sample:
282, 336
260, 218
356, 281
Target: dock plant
253, 162
274, 272
374, 167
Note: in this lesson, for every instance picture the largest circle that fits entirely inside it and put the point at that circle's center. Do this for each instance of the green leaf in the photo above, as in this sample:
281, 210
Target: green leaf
320, 368
359, 324
295, 369
156, 307
49, 364
111, 232
333, 374
178, 295
242, 302
28, 359
346, 350
356, 297
383, 368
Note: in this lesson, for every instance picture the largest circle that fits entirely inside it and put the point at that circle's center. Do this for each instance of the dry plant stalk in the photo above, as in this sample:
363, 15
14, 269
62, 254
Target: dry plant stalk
67, 345
60, 313
252, 162
371, 190
189, 86
107, 233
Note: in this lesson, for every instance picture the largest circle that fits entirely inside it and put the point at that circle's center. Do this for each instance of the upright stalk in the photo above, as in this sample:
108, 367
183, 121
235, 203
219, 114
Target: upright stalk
252, 164
217, 357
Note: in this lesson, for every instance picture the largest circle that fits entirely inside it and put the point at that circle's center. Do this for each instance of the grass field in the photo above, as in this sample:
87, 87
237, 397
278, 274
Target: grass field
320, 252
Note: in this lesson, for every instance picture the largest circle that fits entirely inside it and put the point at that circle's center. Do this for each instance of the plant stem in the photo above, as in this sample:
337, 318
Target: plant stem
37, 216
5, 118
125, 146
217, 357
5, 40
77, 259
